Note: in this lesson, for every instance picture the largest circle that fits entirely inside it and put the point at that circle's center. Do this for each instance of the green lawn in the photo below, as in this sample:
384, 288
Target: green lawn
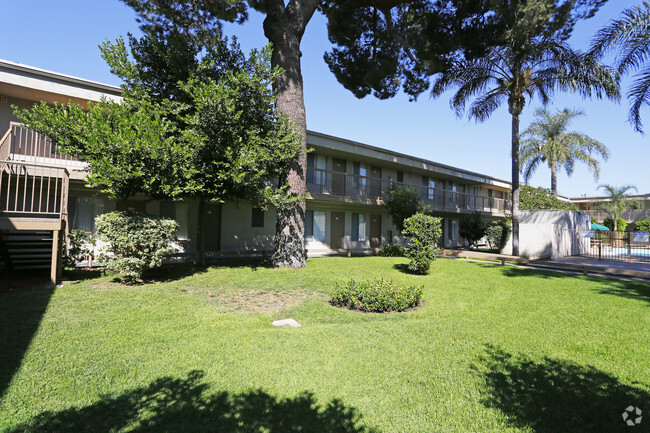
493, 349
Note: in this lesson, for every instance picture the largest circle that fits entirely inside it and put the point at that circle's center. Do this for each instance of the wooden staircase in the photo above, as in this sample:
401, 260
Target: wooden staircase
33, 207
23, 250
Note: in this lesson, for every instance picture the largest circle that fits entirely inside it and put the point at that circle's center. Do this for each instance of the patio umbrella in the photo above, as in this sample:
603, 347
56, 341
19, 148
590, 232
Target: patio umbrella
598, 227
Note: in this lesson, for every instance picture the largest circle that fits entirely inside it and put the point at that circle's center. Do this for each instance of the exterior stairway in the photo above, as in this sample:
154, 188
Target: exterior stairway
33, 203
26, 249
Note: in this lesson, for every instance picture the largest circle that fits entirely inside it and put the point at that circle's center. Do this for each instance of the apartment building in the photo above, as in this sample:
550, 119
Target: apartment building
42, 192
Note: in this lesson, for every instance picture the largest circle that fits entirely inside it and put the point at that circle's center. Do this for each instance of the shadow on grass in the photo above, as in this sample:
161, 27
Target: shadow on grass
187, 405
638, 290
552, 395
21, 312
82, 274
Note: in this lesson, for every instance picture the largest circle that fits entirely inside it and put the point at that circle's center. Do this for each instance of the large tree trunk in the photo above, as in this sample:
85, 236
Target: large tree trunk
554, 179
515, 183
284, 27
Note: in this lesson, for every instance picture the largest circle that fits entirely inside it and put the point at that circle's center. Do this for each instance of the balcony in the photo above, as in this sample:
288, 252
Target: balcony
28, 146
337, 184
629, 215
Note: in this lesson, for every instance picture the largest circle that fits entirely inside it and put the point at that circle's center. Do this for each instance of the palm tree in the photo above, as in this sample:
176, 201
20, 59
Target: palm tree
550, 142
534, 60
631, 35
617, 201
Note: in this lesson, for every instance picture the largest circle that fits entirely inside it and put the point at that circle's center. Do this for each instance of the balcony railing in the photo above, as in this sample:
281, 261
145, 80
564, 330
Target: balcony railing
29, 146
350, 185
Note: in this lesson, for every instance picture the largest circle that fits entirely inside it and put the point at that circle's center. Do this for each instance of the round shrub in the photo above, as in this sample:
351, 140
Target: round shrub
135, 242
378, 295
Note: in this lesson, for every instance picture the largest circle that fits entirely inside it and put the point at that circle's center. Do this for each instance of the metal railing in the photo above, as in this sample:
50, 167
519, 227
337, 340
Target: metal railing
30, 146
28, 189
351, 185
628, 215
613, 245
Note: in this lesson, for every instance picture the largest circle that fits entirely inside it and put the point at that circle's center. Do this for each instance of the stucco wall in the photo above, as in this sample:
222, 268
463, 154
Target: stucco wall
544, 233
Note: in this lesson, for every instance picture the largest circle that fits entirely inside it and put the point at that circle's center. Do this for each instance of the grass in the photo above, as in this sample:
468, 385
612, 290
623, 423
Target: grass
493, 349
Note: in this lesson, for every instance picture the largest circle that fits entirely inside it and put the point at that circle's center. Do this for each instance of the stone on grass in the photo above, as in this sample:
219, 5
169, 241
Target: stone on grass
287, 323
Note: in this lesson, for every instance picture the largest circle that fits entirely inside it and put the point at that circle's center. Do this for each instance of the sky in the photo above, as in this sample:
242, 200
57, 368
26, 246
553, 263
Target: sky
63, 36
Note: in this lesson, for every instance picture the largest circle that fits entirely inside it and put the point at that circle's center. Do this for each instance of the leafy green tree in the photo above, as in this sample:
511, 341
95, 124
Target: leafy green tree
497, 234
620, 224
422, 233
546, 140
630, 37
471, 227
617, 201
533, 58
403, 203
643, 225
212, 137
383, 53
542, 198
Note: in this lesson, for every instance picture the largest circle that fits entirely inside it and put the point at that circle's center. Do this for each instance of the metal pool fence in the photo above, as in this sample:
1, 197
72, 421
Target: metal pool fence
613, 245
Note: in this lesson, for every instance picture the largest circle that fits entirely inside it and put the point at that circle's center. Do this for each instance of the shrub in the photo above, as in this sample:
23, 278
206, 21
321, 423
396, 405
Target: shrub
643, 225
422, 232
136, 242
79, 243
497, 234
391, 250
621, 224
471, 227
377, 295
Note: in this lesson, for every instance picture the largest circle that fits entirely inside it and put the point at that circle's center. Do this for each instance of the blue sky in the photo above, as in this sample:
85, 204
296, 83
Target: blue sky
63, 36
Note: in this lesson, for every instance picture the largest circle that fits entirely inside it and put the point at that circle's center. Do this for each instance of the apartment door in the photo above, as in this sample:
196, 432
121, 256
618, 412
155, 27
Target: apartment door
375, 231
337, 231
338, 176
212, 226
375, 182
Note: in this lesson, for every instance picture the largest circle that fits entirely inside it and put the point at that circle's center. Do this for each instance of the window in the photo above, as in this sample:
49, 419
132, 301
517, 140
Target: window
428, 193
358, 227
179, 211
360, 179
315, 226
257, 217
451, 187
83, 211
400, 176
318, 165
451, 230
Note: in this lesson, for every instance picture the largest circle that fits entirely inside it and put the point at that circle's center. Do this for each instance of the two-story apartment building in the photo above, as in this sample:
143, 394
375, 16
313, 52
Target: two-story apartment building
42, 191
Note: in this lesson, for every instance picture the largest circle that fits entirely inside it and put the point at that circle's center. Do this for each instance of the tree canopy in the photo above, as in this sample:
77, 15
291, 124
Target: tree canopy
618, 201
205, 127
546, 140
630, 34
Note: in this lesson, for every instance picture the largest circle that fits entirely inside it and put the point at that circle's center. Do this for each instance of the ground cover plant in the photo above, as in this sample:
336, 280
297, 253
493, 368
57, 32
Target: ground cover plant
493, 349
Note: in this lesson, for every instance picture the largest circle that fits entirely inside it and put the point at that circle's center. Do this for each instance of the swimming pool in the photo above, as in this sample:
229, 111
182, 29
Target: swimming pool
639, 252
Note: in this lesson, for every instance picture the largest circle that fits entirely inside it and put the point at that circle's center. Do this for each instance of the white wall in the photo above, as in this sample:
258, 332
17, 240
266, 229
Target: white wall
544, 233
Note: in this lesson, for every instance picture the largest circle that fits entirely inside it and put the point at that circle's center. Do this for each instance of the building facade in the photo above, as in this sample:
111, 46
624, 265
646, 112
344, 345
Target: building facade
347, 183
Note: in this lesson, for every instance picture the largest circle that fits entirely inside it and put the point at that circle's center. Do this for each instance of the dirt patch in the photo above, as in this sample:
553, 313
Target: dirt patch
265, 302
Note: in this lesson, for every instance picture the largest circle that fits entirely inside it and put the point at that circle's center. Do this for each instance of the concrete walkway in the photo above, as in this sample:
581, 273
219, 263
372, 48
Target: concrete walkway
611, 264
578, 265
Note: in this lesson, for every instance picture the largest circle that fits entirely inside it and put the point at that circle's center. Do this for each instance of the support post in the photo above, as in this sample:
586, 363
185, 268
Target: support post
54, 266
